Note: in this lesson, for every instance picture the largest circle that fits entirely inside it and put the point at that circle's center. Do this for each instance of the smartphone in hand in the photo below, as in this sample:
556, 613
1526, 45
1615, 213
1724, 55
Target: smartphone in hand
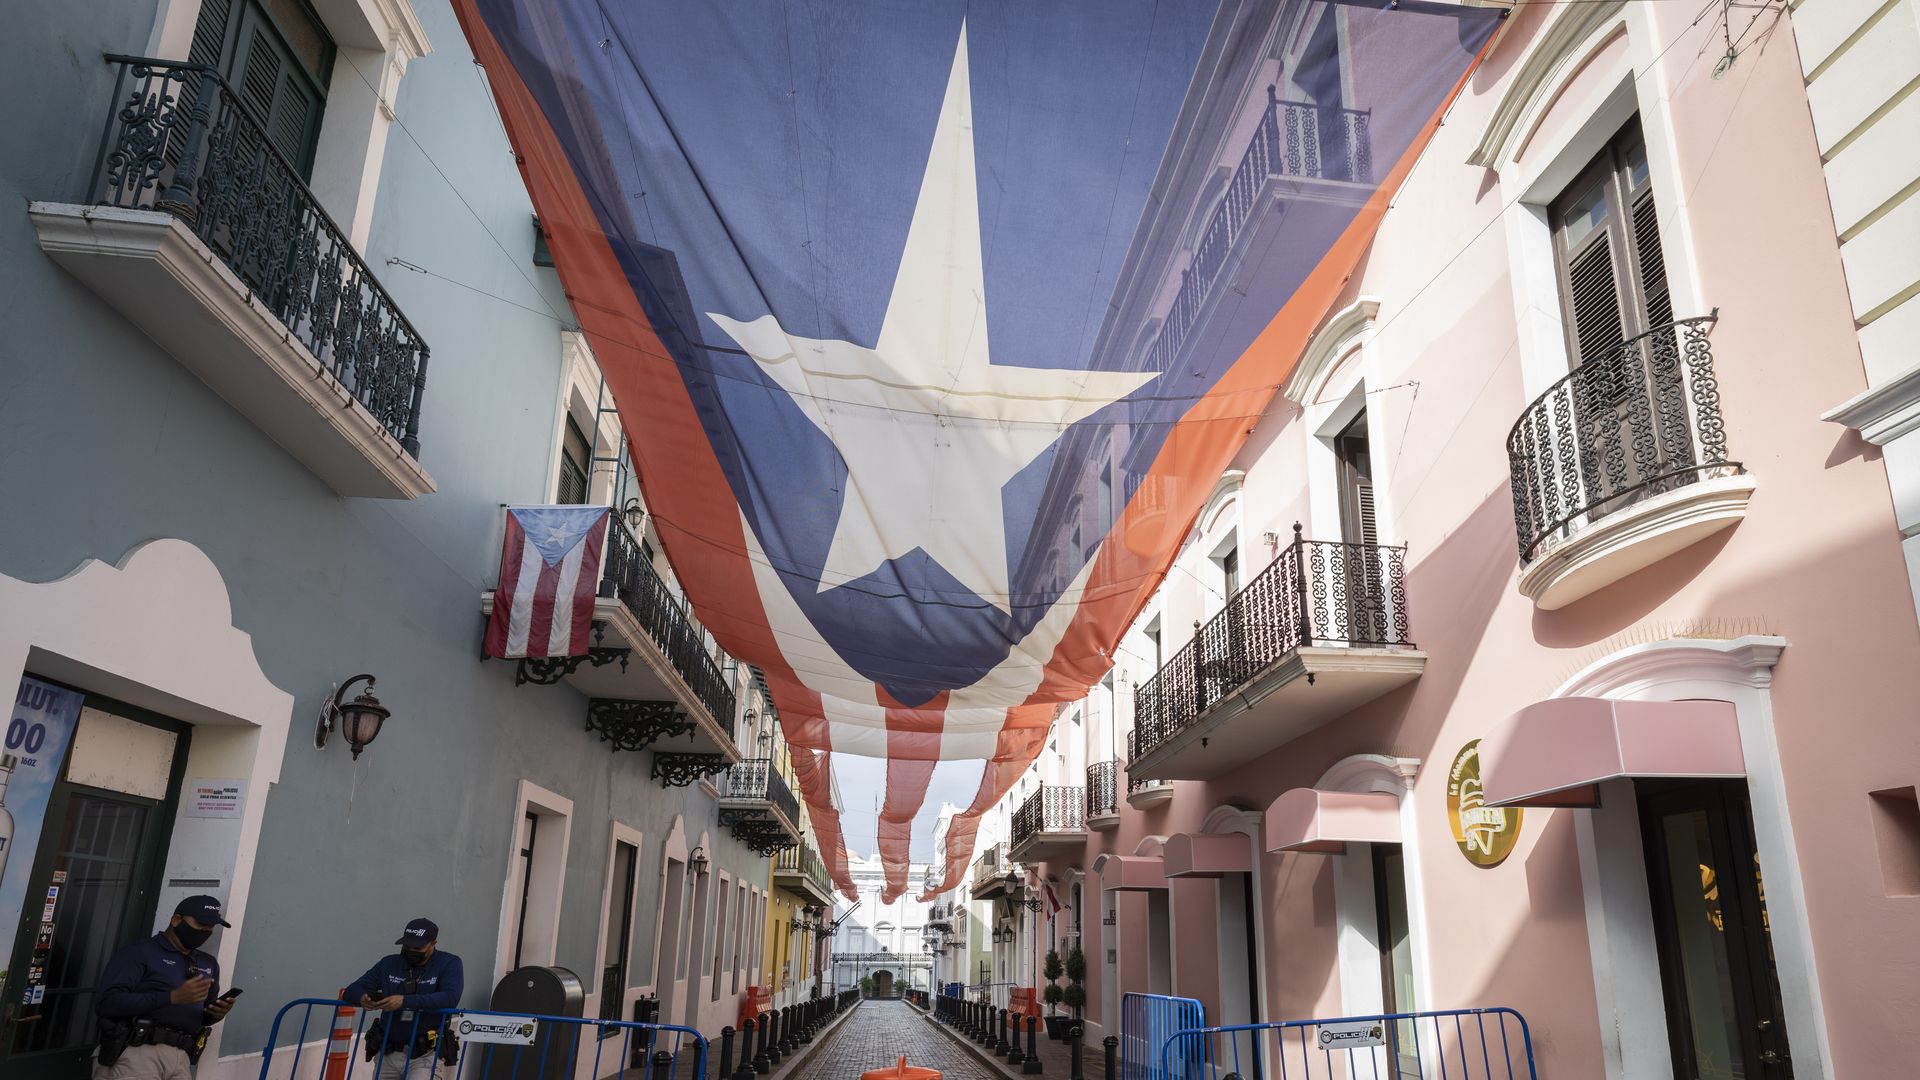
232, 993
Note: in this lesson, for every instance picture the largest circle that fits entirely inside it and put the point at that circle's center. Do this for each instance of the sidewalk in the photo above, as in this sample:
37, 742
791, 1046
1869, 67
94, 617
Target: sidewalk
1054, 1056
874, 1035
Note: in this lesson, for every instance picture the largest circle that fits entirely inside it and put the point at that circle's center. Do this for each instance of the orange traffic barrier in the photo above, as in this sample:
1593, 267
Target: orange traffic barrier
901, 1071
1022, 1001
340, 1042
752, 1003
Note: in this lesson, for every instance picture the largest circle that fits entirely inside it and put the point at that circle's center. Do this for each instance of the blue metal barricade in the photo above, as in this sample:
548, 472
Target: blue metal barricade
1455, 1044
321, 1039
1148, 1023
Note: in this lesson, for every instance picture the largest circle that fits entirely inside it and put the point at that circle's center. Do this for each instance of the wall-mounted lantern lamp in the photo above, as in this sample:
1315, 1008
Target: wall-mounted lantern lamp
358, 721
697, 860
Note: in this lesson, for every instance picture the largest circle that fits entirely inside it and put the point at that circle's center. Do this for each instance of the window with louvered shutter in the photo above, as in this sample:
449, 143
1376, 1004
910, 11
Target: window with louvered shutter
1354, 461
278, 57
1606, 232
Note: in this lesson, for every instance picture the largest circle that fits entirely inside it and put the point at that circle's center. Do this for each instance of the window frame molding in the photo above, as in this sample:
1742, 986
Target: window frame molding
375, 40
619, 833
544, 936
1535, 164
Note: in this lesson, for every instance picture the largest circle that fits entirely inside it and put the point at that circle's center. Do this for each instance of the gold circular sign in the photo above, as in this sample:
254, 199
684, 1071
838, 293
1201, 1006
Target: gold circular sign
1486, 834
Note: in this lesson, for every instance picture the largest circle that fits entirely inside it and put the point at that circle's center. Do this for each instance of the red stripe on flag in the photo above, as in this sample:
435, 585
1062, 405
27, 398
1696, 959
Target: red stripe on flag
503, 593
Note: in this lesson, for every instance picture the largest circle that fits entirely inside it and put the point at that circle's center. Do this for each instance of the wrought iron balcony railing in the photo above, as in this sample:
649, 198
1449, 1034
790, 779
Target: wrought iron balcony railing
1317, 592
1295, 140
805, 861
1624, 427
1135, 782
180, 139
1051, 808
992, 863
757, 779
633, 580
1102, 789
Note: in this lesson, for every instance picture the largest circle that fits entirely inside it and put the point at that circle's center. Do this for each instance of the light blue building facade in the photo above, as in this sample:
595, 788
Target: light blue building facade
277, 355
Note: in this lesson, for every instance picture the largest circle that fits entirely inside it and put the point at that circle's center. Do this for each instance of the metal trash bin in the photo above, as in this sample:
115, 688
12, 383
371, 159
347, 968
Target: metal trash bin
533, 991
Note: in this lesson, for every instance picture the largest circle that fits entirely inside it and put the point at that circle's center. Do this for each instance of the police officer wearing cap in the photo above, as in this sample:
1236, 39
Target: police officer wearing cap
158, 997
410, 988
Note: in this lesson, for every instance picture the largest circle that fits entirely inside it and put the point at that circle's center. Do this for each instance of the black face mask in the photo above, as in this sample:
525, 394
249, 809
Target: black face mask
190, 937
414, 957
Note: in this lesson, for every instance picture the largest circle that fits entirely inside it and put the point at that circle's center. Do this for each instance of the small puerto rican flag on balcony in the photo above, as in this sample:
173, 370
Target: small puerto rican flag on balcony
549, 572
1053, 902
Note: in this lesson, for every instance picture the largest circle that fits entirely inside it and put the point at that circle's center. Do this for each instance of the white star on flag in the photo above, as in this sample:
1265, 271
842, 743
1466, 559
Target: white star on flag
929, 428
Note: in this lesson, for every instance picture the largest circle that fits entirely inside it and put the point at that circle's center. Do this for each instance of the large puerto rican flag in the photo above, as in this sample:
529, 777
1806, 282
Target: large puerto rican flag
549, 575
932, 324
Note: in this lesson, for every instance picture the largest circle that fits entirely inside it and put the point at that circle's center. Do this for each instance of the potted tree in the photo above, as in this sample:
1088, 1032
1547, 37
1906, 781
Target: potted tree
1076, 994
1053, 995
866, 986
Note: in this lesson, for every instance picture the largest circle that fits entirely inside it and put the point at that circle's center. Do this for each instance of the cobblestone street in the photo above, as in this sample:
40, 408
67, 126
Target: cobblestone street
875, 1036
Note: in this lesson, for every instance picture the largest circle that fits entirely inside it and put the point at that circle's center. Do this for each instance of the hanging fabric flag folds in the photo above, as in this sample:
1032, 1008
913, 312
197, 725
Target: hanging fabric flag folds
932, 326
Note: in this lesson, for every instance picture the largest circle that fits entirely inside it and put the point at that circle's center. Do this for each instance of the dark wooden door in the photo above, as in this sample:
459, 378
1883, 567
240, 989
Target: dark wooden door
1724, 1015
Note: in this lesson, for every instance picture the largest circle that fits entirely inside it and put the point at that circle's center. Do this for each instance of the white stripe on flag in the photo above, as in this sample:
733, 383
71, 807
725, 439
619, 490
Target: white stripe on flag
560, 639
520, 618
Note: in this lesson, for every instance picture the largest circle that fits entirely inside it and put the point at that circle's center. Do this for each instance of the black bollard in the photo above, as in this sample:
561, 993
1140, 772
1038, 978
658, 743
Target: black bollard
745, 1071
1110, 1044
774, 1053
1015, 1055
1032, 1067
761, 1063
789, 1040
662, 1065
1078, 1035
1008, 1032
726, 1054
997, 1032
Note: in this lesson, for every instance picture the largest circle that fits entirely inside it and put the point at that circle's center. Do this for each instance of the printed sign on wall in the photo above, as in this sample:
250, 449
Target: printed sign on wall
31, 749
1486, 834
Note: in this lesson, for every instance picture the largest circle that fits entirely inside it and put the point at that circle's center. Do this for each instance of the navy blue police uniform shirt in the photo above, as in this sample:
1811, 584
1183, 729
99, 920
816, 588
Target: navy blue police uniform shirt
439, 986
140, 979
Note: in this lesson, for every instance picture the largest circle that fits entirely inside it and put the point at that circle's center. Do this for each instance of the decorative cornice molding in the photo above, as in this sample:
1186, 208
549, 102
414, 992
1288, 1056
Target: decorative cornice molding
1351, 773
1350, 326
1882, 413
1744, 661
1545, 67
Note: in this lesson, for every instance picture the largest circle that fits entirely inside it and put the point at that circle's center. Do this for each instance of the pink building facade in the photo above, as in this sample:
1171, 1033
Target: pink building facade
1545, 647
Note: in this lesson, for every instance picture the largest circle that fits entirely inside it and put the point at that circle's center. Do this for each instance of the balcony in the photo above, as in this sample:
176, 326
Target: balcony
198, 231
1321, 631
1049, 824
652, 676
1299, 151
802, 872
758, 807
990, 872
1103, 804
1143, 792
1621, 464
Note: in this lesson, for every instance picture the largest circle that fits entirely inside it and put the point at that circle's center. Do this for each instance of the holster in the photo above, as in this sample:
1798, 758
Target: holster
114, 1037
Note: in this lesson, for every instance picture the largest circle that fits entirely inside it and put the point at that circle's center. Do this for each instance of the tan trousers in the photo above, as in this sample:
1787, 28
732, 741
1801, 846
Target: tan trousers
147, 1063
426, 1066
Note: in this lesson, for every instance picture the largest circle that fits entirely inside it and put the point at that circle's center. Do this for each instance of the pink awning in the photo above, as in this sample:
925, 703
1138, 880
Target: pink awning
1131, 872
1557, 752
1308, 819
1206, 855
